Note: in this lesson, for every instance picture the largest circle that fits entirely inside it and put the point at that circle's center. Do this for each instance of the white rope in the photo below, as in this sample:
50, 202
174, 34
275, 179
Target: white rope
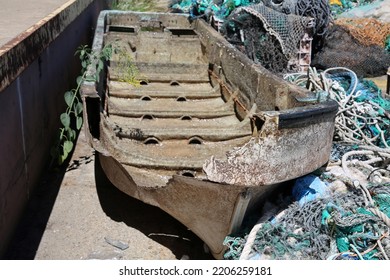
352, 118
382, 249
250, 241
245, 254
349, 130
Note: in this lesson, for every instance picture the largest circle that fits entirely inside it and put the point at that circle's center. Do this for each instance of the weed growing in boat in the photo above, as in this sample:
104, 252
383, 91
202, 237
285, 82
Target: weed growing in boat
72, 118
137, 5
128, 71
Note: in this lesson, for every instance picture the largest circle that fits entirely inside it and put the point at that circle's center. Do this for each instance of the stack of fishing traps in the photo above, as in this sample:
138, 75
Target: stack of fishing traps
278, 41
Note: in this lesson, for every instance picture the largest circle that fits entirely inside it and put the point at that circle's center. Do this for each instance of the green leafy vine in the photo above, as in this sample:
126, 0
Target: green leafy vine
72, 118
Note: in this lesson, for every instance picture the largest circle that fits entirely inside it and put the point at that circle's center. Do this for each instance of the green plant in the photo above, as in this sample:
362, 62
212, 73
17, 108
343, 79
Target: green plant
72, 118
129, 72
138, 5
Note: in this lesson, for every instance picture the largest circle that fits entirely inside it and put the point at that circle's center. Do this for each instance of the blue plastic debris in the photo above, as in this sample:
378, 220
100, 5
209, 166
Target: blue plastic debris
308, 188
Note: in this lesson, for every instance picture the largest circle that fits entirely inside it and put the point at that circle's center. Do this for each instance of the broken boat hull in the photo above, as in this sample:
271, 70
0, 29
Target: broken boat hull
207, 134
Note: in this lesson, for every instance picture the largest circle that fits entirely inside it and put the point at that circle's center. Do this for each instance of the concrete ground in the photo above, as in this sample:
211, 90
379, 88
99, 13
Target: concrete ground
77, 214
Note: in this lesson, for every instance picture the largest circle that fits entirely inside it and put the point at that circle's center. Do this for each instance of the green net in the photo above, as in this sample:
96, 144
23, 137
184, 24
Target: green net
334, 227
387, 44
220, 8
341, 6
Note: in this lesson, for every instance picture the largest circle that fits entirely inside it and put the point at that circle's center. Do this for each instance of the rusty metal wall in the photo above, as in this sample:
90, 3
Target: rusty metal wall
36, 68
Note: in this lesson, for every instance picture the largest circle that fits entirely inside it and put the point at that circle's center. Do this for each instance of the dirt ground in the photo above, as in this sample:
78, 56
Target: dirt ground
77, 214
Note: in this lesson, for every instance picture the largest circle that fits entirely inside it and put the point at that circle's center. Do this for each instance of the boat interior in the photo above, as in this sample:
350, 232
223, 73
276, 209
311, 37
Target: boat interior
177, 113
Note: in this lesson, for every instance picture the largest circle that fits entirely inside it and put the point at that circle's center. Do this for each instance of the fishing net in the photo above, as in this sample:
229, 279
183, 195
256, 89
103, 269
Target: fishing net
205, 8
342, 49
387, 44
337, 226
319, 10
269, 37
268, 31
341, 6
366, 31
364, 112
258, 45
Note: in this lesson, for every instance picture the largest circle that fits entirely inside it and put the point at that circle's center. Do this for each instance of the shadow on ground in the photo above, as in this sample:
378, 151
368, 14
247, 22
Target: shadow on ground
150, 220
28, 234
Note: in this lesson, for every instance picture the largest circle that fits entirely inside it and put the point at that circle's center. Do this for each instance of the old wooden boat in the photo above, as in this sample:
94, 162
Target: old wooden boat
207, 134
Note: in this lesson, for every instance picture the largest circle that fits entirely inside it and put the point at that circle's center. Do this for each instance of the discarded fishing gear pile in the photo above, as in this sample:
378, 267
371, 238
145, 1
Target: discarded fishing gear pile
340, 223
267, 31
368, 38
267, 36
363, 116
275, 34
341, 6
362, 122
342, 212
207, 8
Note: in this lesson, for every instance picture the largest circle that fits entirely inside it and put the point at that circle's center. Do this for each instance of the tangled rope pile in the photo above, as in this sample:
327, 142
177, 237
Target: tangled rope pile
363, 119
363, 116
338, 226
372, 162
347, 216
